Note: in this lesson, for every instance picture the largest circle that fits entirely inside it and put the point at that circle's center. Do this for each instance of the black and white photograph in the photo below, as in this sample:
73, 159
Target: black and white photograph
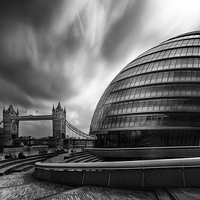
99, 99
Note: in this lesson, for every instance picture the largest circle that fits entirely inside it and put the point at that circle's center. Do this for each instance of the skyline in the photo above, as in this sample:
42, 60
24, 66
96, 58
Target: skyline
69, 51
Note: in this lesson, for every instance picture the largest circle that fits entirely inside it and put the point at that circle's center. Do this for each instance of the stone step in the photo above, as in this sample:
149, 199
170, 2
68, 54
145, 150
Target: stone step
18, 160
9, 169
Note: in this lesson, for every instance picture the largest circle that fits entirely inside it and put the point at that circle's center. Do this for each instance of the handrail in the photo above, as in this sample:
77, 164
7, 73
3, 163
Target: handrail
142, 164
77, 131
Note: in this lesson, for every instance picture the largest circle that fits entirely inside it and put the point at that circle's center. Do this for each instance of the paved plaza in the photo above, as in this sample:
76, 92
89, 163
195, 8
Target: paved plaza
21, 186
25, 186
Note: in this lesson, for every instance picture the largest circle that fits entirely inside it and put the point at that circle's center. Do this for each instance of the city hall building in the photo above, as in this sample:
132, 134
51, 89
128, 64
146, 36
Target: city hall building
155, 100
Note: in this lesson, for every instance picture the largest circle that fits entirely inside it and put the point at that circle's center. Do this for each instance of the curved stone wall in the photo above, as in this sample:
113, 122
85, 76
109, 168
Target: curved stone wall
143, 174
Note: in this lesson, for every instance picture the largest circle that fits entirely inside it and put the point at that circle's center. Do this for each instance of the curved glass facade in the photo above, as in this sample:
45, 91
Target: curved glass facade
155, 99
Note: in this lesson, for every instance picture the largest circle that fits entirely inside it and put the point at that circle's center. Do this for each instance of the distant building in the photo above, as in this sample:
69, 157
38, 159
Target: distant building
155, 100
11, 127
1, 132
59, 122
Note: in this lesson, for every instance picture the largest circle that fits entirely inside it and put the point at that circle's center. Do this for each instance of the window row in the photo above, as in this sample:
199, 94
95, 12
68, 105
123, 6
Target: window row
139, 138
179, 52
100, 114
160, 77
172, 44
155, 91
182, 37
171, 120
147, 92
164, 105
178, 63
96, 127
106, 93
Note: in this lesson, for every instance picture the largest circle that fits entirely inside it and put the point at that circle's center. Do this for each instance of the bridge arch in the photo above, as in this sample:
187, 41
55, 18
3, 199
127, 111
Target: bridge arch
13, 136
63, 136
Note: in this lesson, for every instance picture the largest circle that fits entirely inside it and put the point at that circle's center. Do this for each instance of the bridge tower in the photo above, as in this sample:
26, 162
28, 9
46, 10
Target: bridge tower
59, 122
11, 126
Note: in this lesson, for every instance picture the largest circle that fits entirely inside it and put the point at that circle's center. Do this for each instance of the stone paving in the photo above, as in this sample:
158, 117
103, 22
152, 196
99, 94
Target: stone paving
23, 186
101, 193
191, 193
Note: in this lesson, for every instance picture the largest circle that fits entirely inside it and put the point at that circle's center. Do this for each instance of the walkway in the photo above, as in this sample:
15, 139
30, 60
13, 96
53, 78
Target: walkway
23, 186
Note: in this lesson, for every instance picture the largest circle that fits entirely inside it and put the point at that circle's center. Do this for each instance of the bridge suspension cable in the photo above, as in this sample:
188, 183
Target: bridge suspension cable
77, 131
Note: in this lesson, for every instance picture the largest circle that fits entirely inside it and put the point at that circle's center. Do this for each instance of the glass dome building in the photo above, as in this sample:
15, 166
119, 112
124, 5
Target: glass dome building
155, 100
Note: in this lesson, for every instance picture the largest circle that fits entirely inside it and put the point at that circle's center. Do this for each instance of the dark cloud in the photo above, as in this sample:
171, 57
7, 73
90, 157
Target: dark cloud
11, 95
34, 83
37, 12
70, 42
124, 32
20, 41
53, 50
35, 60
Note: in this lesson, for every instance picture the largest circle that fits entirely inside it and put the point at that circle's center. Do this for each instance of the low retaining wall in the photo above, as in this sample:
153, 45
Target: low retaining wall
189, 177
176, 173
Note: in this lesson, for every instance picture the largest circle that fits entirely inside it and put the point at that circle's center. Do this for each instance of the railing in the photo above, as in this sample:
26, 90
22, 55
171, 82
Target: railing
77, 131
145, 164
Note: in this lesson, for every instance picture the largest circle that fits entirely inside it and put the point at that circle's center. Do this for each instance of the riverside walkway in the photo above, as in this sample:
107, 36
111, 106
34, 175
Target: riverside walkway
24, 186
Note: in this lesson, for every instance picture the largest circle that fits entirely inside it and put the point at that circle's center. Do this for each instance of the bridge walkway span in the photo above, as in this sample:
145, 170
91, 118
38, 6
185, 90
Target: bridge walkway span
32, 117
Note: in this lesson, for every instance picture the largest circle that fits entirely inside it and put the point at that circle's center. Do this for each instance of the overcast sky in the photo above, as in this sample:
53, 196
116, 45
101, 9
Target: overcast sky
70, 50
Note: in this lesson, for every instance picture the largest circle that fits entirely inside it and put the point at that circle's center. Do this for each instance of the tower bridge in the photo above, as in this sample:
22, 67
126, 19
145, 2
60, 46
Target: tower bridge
61, 127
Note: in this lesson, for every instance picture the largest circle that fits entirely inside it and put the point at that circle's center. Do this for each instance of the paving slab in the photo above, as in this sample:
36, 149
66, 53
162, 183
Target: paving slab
102, 193
23, 186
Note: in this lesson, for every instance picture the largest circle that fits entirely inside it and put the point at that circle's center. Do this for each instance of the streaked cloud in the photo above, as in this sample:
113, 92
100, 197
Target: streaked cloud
69, 50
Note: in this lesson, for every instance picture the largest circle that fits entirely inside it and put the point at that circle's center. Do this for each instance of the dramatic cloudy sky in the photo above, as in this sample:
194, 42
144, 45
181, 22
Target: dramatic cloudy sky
70, 50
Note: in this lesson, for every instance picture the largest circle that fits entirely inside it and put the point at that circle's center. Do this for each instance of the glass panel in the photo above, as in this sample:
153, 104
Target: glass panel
165, 77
